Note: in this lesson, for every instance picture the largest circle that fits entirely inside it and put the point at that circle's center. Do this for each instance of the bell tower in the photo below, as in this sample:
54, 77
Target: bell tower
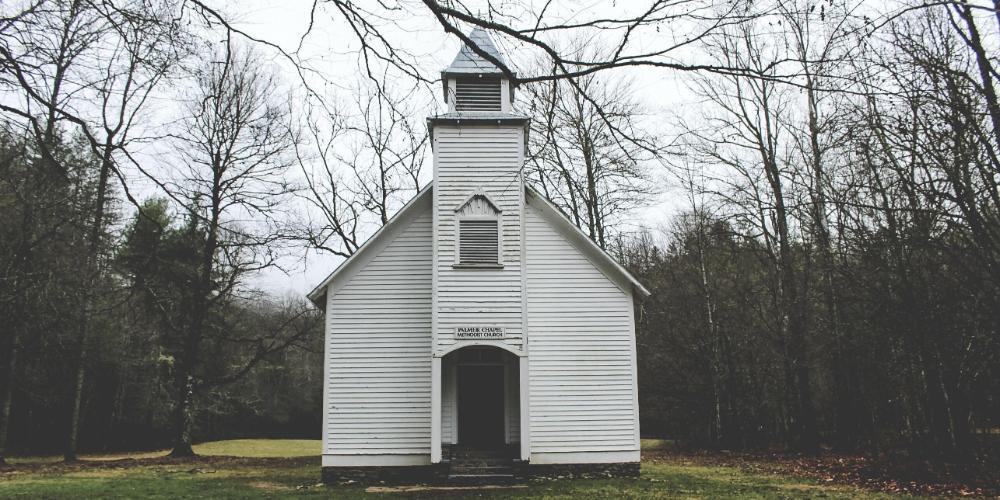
473, 84
478, 214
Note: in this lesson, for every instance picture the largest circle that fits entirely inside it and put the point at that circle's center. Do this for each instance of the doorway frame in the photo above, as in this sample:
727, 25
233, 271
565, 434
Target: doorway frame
523, 394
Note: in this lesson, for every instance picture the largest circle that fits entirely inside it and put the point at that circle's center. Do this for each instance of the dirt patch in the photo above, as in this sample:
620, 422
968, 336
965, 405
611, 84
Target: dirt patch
890, 474
266, 486
804, 488
443, 489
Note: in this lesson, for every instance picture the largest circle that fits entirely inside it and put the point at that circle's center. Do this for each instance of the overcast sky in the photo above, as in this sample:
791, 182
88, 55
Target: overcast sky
333, 53
330, 53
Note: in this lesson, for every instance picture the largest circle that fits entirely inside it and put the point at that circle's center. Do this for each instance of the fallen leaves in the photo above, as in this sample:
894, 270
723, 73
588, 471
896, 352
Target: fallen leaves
890, 474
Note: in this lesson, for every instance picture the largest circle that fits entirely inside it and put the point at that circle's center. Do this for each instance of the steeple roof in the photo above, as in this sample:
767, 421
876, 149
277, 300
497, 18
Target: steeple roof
469, 62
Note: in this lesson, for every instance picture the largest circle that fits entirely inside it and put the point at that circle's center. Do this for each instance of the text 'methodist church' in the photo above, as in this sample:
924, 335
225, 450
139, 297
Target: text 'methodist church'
479, 332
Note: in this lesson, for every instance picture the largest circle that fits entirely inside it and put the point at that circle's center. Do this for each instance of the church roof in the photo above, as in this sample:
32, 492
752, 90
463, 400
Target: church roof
572, 233
581, 241
469, 62
318, 294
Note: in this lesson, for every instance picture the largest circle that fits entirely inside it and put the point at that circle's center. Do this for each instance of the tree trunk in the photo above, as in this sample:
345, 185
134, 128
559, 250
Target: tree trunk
10, 361
936, 406
74, 423
844, 414
717, 435
191, 349
806, 434
93, 277
182, 417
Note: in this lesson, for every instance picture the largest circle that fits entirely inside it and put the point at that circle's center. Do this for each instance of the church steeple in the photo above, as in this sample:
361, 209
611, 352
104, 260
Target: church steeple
472, 84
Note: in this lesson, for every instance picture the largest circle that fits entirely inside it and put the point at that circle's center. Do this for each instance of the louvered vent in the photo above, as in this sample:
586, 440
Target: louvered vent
478, 242
477, 94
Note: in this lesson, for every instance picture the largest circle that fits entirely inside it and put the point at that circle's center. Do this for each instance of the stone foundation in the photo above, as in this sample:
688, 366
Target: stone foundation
544, 472
438, 473
391, 475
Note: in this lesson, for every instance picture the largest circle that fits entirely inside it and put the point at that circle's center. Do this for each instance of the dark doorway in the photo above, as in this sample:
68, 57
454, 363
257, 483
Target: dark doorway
480, 406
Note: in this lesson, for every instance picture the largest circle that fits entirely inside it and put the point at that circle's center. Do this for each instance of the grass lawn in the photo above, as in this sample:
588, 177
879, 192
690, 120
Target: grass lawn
255, 448
280, 468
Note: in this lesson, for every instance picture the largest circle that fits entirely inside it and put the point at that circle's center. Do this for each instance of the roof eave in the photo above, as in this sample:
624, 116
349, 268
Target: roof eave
487, 72
471, 118
593, 247
317, 295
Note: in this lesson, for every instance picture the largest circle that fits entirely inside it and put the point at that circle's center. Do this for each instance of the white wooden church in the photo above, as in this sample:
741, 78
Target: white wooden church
479, 332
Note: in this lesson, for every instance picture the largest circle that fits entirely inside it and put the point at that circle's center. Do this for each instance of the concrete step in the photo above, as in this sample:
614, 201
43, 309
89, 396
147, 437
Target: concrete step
481, 462
489, 469
480, 479
479, 454
463, 466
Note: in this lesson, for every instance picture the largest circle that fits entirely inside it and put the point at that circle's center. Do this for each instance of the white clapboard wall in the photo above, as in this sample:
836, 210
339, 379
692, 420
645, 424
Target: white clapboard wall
378, 349
472, 160
512, 405
581, 352
449, 404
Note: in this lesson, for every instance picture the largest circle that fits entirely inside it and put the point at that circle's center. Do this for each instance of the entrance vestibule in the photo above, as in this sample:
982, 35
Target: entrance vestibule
480, 407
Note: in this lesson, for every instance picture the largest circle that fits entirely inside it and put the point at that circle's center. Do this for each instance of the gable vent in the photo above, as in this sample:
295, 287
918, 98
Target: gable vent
478, 242
477, 94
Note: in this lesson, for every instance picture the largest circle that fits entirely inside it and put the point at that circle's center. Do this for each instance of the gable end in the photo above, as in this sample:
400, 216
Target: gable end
371, 248
597, 256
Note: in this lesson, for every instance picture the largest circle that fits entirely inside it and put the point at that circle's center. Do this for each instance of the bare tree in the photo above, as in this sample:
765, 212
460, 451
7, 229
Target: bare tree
45, 41
928, 169
538, 29
23, 233
819, 45
744, 135
589, 151
140, 48
236, 149
86, 68
360, 165
972, 89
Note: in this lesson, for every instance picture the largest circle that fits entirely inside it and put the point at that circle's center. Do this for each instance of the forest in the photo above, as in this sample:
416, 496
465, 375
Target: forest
819, 224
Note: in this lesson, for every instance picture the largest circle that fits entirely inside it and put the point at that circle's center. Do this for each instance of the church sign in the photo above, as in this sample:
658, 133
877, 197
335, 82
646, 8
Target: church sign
479, 332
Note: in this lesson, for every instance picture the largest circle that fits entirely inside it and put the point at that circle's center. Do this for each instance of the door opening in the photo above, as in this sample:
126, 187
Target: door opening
481, 406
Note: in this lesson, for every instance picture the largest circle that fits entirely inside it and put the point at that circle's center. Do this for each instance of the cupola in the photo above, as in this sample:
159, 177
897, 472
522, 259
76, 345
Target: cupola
473, 84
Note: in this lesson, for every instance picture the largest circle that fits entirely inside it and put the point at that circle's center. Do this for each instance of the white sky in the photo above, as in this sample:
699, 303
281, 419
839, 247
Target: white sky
332, 52
331, 55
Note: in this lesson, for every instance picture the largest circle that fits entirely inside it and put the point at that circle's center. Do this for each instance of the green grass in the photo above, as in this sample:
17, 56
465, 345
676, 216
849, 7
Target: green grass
656, 444
299, 477
257, 448
261, 448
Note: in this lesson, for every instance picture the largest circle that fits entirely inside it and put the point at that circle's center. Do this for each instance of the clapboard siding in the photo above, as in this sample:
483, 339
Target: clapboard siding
449, 404
512, 404
378, 347
580, 349
475, 159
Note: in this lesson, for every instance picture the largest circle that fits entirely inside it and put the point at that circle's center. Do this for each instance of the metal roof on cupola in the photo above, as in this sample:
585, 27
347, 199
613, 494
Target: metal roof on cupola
474, 86
469, 62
